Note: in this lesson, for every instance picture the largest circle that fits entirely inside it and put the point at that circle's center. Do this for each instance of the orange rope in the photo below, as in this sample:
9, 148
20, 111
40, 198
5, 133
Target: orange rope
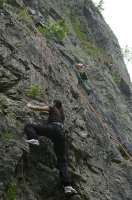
79, 92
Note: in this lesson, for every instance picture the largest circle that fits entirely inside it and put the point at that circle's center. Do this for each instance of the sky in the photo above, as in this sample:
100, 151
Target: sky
118, 15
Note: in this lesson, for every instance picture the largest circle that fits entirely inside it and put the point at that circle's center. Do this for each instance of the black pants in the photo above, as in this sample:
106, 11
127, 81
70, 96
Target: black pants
57, 134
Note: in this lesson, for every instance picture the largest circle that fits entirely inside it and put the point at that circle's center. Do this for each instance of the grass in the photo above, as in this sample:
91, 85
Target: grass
18, 122
117, 79
77, 28
11, 192
84, 40
23, 14
9, 134
11, 117
104, 69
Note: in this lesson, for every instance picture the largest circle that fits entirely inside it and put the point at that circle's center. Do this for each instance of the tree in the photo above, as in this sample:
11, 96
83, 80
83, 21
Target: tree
127, 54
100, 5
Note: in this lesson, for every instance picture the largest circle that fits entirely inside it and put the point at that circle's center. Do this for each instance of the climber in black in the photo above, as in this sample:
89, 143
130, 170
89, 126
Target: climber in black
84, 77
56, 132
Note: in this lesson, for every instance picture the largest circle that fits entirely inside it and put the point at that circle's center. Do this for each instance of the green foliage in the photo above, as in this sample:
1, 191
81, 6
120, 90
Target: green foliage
57, 30
9, 134
4, 1
64, 25
78, 52
100, 5
78, 30
11, 117
48, 1
63, 3
83, 36
117, 79
34, 91
23, 14
18, 122
3, 103
104, 69
42, 30
11, 192
127, 54
90, 51
17, 45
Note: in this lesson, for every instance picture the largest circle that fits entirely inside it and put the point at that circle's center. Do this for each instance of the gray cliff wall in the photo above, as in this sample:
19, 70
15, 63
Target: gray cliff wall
98, 166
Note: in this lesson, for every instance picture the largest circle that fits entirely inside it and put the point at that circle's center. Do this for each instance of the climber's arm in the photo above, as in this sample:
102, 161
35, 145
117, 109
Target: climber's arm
38, 108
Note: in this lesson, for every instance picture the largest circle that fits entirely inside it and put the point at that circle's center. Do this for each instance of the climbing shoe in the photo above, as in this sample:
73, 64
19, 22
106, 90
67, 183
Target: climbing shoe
89, 91
33, 141
40, 24
69, 190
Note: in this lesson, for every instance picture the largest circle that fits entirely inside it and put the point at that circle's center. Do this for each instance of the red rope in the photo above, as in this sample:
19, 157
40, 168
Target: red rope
89, 105
43, 69
42, 53
84, 98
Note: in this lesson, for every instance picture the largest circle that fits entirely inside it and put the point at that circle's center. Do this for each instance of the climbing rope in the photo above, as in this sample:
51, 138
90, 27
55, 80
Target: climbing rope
95, 98
42, 53
91, 47
98, 104
43, 70
79, 92
120, 133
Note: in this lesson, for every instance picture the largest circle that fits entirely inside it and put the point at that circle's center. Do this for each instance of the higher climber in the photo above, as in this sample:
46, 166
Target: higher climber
83, 78
56, 132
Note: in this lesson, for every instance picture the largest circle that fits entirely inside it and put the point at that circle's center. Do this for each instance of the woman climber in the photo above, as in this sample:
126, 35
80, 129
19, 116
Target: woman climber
83, 78
56, 132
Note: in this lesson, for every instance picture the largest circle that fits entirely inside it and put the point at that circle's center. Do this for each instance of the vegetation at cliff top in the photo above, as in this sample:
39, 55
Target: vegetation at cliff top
100, 5
84, 39
127, 54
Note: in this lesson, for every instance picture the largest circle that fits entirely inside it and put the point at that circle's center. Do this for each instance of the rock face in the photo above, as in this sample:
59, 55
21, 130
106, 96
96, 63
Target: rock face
100, 150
